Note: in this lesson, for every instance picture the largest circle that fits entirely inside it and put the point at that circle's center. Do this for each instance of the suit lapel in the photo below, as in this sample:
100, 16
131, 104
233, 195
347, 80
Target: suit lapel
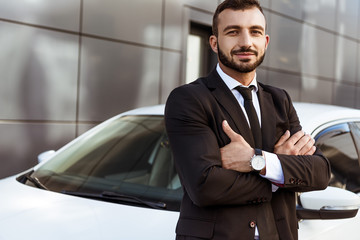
268, 118
226, 99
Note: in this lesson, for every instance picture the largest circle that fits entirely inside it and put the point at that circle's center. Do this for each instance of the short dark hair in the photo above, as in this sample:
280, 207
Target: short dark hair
234, 5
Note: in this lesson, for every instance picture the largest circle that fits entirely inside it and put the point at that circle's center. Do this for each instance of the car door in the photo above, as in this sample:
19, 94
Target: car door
340, 144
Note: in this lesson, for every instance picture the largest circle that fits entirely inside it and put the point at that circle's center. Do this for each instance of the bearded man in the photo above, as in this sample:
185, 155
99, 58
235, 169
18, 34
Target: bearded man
237, 144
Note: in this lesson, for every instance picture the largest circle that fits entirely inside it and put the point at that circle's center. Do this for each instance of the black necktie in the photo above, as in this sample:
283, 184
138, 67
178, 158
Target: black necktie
251, 113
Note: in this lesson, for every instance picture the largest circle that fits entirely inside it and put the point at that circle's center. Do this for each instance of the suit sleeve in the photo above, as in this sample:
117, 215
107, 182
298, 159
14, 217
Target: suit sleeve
197, 156
303, 173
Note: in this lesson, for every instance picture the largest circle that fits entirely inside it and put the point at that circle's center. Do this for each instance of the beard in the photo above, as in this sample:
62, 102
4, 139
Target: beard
243, 66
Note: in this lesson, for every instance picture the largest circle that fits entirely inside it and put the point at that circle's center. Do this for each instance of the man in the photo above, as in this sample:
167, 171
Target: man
239, 175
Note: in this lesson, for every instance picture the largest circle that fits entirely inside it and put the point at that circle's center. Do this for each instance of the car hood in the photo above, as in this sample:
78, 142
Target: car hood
30, 213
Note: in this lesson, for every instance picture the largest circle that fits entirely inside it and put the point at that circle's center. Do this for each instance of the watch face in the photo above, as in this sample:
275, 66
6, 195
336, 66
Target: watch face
258, 163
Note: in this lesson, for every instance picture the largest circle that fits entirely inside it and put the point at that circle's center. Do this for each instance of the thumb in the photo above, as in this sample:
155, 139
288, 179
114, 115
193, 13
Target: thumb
229, 132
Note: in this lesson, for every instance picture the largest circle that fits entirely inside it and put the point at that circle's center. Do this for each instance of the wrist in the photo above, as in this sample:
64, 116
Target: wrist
263, 171
257, 162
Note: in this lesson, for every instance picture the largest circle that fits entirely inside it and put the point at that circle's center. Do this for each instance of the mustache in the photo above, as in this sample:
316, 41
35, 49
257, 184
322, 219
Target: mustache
244, 50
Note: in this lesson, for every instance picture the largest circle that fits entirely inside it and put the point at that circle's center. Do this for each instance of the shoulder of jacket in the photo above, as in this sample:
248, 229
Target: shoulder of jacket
196, 86
273, 89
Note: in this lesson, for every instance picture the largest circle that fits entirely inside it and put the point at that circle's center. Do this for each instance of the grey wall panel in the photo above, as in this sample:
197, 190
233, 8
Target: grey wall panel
291, 83
344, 95
348, 13
318, 52
61, 14
173, 25
22, 142
346, 56
321, 13
208, 5
116, 77
171, 73
83, 127
268, 32
265, 3
292, 8
262, 75
358, 24
201, 17
136, 21
358, 63
285, 43
38, 73
316, 90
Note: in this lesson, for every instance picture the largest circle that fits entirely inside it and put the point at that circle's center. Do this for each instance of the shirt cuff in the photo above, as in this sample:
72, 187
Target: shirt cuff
274, 172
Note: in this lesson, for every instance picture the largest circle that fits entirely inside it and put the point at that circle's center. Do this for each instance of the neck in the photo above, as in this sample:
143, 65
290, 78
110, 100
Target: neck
243, 78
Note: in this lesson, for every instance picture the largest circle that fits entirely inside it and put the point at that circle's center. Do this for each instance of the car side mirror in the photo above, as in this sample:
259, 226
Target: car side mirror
42, 157
331, 203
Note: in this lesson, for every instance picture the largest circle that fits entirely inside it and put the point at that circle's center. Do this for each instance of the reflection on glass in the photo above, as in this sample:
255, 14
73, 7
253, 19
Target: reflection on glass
338, 146
128, 155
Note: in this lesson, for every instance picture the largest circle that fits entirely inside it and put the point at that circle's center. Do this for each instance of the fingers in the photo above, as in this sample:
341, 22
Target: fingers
306, 145
230, 133
311, 151
296, 137
303, 144
298, 144
283, 138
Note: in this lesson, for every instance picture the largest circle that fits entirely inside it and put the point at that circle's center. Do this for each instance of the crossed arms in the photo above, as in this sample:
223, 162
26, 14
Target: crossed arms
297, 144
221, 176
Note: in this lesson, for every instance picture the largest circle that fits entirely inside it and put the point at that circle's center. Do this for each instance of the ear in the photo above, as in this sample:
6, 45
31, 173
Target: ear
213, 43
267, 37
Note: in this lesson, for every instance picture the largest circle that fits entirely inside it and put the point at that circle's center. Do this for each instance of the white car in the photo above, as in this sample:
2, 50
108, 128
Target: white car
117, 181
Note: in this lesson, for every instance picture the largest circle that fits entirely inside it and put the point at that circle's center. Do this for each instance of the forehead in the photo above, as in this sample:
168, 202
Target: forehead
243, 18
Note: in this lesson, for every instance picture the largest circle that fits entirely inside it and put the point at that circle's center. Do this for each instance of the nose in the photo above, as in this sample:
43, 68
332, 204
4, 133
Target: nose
245, 39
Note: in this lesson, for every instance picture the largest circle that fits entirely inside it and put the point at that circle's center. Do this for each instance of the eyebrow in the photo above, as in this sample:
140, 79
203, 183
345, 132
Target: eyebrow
231, 27
259, 27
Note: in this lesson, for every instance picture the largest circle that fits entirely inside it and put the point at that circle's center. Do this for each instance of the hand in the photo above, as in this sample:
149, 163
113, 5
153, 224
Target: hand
297, 144
237, 154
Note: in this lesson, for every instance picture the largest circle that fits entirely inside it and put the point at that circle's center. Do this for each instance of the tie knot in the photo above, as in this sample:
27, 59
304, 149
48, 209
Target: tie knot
245, 92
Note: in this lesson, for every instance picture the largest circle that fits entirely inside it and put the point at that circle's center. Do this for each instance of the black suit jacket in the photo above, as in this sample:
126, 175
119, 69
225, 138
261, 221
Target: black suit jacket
224, 204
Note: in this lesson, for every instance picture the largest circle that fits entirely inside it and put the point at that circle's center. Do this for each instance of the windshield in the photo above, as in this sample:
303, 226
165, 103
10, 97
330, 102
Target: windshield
129, 155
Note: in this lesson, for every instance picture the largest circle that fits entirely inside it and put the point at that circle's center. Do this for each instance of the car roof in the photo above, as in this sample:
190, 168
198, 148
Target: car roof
150, 110
314, 116
311, 115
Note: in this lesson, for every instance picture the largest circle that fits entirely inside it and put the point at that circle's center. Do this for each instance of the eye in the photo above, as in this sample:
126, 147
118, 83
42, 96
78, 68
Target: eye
257, 32
233, 32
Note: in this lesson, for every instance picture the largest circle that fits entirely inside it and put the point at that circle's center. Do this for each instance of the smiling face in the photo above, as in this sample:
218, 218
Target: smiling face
241, 42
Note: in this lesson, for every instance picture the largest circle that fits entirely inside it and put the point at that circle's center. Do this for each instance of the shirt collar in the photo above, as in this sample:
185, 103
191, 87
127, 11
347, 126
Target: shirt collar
232, 83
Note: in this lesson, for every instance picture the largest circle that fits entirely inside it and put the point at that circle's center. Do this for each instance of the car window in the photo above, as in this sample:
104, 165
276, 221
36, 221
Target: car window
130, 155
337, 144
355, 130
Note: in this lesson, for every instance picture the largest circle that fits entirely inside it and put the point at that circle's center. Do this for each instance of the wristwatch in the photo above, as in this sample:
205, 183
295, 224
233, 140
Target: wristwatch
257, 162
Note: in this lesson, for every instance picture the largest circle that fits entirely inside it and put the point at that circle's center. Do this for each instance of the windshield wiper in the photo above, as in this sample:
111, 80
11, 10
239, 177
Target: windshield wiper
35, 181
117, 197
